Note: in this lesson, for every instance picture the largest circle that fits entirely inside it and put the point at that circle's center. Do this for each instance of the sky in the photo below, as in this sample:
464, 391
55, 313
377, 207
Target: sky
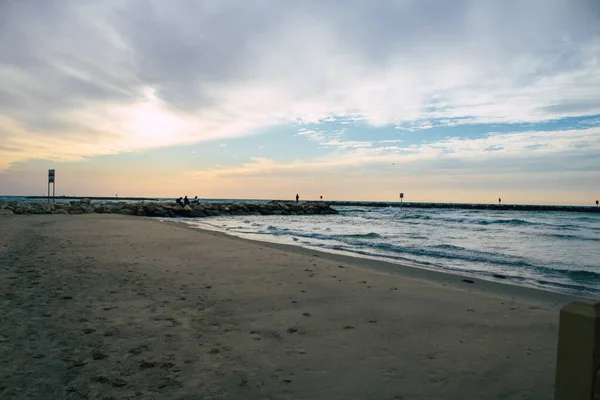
449, 101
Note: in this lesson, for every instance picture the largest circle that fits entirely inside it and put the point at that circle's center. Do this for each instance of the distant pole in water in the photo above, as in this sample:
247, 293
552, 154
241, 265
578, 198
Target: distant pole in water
401, 197
499, 200
597, 203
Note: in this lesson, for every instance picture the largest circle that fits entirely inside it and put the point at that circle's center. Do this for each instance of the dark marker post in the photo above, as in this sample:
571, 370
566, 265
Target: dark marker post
51, 179
401, 197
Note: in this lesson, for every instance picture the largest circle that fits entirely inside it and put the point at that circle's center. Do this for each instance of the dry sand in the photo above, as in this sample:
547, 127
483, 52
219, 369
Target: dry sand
114, 307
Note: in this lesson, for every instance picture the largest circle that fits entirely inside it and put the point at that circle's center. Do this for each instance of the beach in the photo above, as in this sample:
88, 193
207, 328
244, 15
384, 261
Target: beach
108, 306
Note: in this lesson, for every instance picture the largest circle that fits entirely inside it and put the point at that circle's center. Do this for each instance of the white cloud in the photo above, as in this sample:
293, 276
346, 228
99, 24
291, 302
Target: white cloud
532, 150
127, 75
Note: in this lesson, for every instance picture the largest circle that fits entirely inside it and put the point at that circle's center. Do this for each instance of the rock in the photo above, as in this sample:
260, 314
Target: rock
125, 211
197, 213
41, 208
156, 209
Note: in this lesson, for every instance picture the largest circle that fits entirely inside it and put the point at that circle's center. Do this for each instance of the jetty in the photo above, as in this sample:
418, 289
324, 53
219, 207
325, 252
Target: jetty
166, 209
467, 206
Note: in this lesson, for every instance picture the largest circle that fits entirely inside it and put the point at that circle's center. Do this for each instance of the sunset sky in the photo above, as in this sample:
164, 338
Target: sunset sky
453, 101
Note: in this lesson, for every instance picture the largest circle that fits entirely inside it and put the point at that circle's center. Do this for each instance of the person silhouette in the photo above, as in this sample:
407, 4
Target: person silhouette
297, 197
186, 201
499, 200
321, 198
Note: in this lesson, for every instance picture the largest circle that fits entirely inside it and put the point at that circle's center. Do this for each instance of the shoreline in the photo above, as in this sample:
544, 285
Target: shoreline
412, 271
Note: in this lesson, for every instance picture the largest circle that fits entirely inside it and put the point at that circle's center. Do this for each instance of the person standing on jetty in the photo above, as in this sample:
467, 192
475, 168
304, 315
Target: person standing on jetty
186, 201
297, 197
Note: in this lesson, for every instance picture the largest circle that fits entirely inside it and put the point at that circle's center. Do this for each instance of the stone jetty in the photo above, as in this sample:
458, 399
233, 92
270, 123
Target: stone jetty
164, 209
467, 206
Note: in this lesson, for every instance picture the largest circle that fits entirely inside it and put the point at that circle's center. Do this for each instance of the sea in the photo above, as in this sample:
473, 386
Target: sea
555, 251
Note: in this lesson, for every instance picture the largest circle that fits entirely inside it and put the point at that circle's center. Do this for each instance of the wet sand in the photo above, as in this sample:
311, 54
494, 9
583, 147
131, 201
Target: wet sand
107, 306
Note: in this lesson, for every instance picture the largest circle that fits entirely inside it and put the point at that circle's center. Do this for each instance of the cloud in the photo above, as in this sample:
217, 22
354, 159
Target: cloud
86, 78
497, 153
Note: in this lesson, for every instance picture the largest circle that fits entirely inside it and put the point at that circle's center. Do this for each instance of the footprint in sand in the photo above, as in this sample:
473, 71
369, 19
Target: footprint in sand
97, 355
268, 334
139, 349
147, 364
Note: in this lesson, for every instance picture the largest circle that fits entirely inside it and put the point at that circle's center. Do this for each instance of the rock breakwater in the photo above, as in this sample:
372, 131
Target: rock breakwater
467, 206
166, 210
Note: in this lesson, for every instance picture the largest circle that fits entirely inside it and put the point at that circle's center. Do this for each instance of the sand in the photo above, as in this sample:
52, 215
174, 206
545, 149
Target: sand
116, 307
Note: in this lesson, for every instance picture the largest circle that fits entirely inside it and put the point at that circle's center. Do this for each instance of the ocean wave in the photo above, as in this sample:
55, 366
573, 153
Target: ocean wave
371, 235
570, 237
513, 221
342, 210
446, 252
273, 230
416, 216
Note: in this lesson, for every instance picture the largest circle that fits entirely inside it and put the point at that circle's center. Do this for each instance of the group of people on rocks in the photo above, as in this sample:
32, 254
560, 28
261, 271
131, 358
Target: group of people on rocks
184, 201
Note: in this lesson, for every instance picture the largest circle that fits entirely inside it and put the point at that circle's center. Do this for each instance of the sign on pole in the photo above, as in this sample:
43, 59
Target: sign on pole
51, 181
